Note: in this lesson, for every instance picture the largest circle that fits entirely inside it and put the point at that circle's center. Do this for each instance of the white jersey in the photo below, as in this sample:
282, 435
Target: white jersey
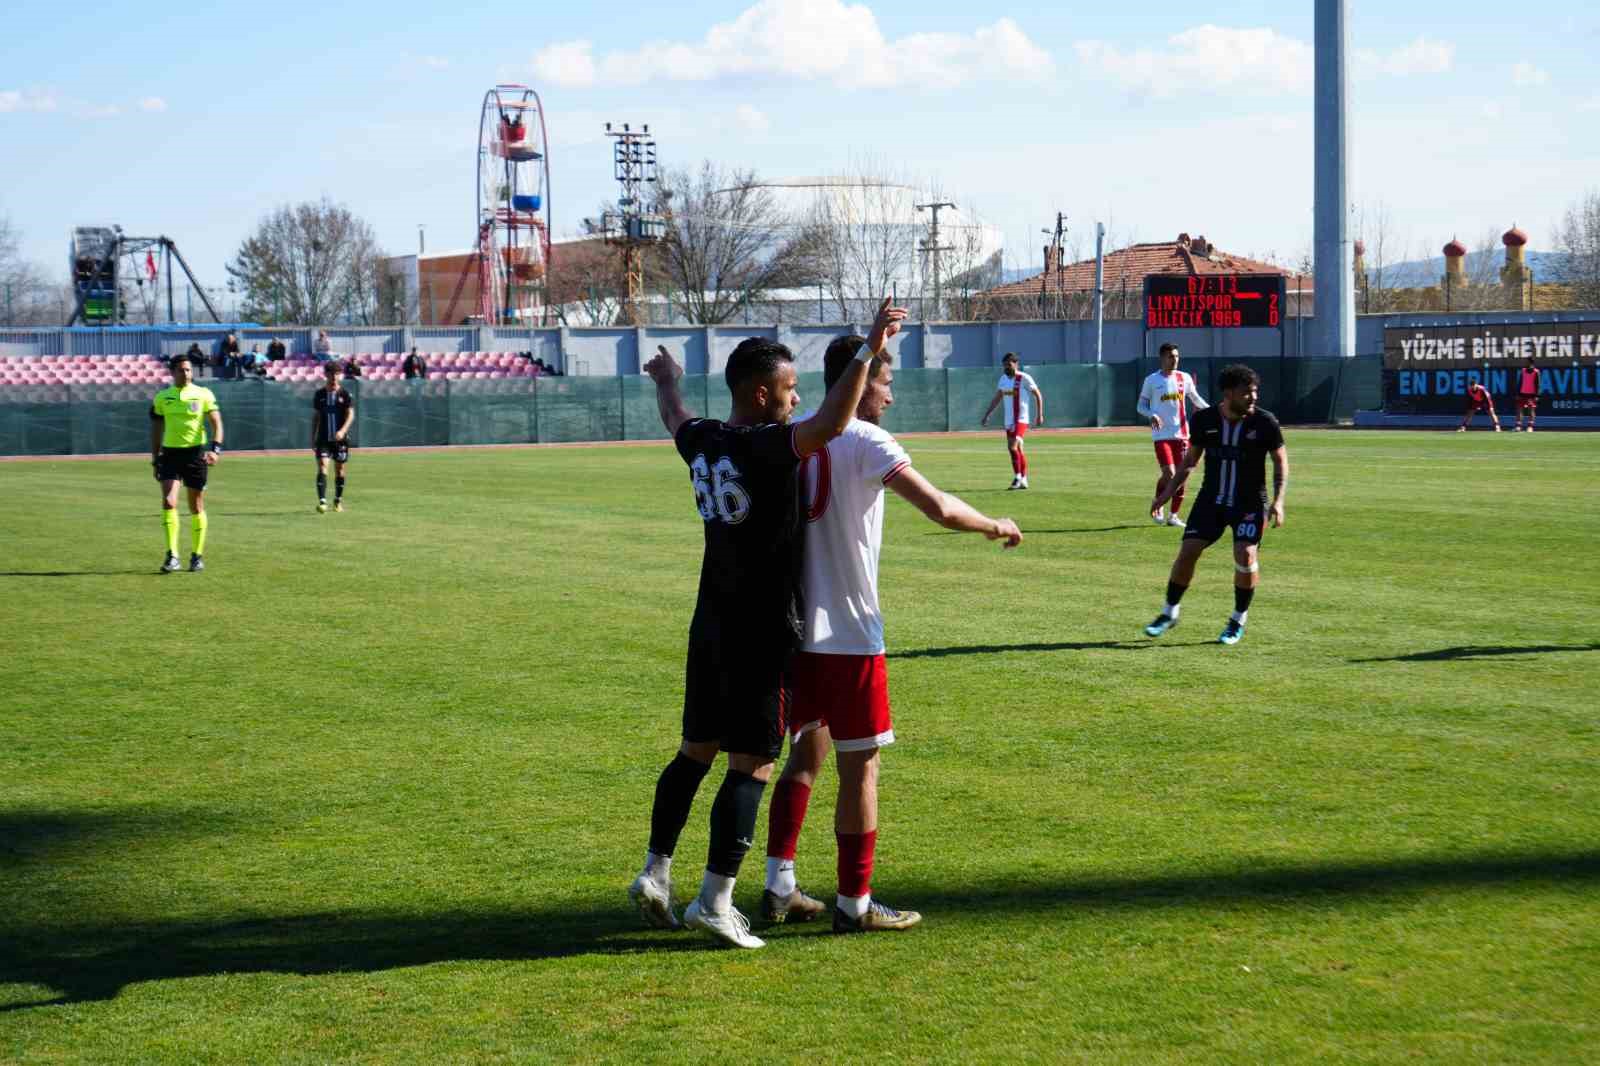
843, 485
1016, 398
1168, 396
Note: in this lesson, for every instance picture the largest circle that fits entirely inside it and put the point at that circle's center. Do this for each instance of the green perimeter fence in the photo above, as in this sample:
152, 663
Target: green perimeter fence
99, 419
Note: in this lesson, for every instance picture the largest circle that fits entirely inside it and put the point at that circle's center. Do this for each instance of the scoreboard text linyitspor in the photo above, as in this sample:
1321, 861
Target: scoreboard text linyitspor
1215, 301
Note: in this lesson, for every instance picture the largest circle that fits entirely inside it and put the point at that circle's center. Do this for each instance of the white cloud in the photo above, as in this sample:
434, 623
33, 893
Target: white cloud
434, 62
1492, 110
806, 40
1591, 104
26, 100
751, 120
1220, 57
1421, 56
1525, 73
152, 104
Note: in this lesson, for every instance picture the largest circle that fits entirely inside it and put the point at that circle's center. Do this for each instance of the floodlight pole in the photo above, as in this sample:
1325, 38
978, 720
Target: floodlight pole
933, 248
1099, 289
1334, 250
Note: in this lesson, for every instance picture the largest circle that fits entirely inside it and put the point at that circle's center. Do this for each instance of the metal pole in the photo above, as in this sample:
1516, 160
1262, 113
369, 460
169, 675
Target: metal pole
1099, 291
166, 254
1335, 253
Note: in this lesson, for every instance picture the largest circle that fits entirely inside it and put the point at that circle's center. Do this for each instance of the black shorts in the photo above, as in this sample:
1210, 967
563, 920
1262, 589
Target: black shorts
187, 465
1208, 518
738, 694
338, 451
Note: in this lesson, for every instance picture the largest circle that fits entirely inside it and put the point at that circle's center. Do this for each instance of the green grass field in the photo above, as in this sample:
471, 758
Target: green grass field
372, 787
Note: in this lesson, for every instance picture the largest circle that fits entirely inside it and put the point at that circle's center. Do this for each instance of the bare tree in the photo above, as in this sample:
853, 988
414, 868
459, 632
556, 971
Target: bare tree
1578, 240
312, 263
728, 241
865, 235
1375, 228
27, 296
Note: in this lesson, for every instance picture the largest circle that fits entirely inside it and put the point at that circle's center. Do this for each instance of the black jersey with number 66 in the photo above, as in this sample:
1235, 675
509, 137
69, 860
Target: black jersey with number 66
747, 489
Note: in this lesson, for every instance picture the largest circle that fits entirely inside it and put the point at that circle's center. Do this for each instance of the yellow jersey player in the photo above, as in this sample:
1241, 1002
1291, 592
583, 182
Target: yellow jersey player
179, 451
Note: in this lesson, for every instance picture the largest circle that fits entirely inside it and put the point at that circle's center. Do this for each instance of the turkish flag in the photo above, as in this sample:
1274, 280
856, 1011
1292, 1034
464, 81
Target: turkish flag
150, 264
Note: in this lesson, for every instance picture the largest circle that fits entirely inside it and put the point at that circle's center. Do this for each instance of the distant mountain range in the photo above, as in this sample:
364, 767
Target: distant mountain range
1425, 273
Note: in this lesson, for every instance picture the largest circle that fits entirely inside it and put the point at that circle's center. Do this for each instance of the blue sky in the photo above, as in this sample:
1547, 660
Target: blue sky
1156, 118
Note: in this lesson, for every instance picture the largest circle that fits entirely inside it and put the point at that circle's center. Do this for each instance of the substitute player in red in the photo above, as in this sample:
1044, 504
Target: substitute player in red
1478, 399
1527, 394
1164, 401
1235, 438
1013, 391
841, 685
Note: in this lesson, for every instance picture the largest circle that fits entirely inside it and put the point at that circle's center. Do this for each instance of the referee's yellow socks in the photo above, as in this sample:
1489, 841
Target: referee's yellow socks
169, 523
197, 526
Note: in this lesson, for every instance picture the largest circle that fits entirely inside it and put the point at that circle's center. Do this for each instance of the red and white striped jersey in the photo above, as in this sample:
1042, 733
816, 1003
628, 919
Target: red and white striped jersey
1016, 398
843, 496
1168, 395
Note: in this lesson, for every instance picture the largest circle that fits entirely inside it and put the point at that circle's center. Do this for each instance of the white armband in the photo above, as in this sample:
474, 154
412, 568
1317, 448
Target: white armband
865, 354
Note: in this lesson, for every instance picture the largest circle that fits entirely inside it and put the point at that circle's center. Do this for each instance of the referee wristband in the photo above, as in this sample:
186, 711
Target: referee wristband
216, 448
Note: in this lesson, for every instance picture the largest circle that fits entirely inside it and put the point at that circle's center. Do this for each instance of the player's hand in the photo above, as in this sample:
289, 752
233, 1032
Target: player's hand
339, 436
663, 369
1155, 421
155, 466
1005, 529
211, 458
984, 421
886, 325
1275, 515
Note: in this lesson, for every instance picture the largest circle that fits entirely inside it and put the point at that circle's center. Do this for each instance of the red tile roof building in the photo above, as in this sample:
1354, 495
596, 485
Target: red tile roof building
1125, 270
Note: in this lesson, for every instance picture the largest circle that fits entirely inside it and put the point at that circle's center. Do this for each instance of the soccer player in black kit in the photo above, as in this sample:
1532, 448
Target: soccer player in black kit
1236, 437
747, 617
333, 414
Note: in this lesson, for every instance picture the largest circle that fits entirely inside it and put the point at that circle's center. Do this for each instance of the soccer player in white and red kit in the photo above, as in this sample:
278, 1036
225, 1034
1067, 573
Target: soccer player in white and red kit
841, 689
1163, 402
1011, 395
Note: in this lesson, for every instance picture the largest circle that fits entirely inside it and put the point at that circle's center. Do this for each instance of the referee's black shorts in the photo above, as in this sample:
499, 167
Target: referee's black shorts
738, 693
187, 465
337, 450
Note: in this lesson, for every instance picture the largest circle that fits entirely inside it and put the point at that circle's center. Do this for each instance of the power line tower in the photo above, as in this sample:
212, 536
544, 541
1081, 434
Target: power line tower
629, 228
1053, 265
932, 247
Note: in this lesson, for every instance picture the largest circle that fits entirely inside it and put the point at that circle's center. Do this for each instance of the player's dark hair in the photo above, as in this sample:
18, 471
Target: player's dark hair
755, 357
1236, 375
1010, 357
841, 350
1168, 347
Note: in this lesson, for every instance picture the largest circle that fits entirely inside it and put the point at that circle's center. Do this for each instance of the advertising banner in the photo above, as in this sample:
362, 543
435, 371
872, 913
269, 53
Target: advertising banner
1426, 371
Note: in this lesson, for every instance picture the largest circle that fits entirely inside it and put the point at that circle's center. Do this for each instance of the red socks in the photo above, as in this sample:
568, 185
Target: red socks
785, 817
855, 862
1022, 462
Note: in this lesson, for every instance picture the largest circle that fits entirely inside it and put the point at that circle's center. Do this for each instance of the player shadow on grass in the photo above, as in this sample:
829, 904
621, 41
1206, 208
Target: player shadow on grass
1026, 533
1479, 651
95, 960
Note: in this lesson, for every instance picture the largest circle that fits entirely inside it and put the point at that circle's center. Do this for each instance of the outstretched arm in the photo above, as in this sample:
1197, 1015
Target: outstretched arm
950, 511
1180, 477
1280, 483
665, 372
839, 406
990, 409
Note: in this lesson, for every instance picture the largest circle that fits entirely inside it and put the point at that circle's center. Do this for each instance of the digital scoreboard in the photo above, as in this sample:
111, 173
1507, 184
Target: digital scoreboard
1213, 301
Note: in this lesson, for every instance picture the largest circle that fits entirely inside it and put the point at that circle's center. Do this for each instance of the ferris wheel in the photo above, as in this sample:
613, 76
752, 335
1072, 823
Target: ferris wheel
513, 220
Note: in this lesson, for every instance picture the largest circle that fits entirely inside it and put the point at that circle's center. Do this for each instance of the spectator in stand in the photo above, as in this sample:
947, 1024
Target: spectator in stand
276, 352
351, 368
255, 362
197, 358
415, 368
228, 356
323, 348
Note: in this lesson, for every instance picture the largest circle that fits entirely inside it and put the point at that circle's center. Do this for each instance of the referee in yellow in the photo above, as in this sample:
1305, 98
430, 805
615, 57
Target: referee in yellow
179, 452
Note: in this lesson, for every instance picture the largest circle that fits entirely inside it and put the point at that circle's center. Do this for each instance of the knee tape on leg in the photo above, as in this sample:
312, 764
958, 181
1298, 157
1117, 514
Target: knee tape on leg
1253, 568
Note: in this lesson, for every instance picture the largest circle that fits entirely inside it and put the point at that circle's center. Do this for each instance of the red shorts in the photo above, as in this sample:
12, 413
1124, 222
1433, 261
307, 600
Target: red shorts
1527, 401
1018, 430
847, 693
1171, 452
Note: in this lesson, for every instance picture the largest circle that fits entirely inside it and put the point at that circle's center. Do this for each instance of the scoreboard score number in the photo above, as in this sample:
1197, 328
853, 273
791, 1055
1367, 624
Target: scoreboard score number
1213, 301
